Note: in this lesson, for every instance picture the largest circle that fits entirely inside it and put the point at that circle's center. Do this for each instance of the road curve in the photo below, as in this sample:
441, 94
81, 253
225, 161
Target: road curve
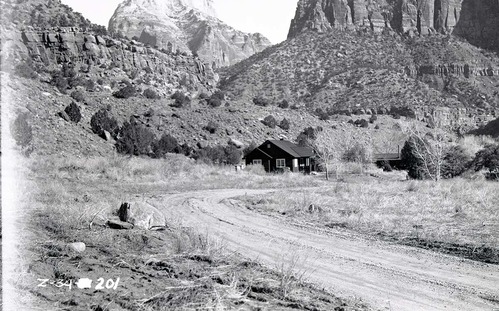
384, 275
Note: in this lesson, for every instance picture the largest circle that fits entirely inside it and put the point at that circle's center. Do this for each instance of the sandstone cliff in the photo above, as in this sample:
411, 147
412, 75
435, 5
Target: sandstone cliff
189, 26
53, 47
475, 20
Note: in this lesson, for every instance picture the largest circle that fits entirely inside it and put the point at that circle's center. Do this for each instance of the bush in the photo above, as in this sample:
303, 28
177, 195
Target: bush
456, 161
211, 127
488, 158
73, 111
284, 124
59, 82
361, 123
219, 155
166, 144
101, 122
126, 92
284, 104
134, 139
261, 101
358, 154
323, 115
78, 96
308, 134
23, 133
216, 99
181, 100
151, 94
373, 118
270, 121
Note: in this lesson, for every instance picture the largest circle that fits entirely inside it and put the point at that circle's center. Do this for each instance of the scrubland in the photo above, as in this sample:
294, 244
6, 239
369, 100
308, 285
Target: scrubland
179, 268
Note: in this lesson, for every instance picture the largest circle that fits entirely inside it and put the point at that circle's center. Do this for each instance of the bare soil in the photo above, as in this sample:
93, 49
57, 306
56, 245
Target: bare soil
385, 275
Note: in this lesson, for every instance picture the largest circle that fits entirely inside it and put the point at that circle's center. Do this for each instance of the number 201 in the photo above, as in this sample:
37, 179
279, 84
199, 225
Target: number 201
110, 284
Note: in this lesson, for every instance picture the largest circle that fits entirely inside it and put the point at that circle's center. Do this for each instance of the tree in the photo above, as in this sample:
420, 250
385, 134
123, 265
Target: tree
488, 158
101, 122
424, 152
270, 121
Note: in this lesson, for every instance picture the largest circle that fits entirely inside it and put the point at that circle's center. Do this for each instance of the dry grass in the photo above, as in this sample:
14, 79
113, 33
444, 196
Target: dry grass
177, 269
454, 212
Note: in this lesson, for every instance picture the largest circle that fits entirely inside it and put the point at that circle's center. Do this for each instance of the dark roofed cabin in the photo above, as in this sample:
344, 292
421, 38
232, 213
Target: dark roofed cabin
281, 155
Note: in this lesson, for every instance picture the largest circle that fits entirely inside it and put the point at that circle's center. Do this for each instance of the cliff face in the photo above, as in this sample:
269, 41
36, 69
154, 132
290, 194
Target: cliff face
186, 25
70, 45
475, 20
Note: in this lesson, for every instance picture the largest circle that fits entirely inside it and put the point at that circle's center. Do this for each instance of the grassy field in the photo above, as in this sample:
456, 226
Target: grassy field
175, 269
457, 216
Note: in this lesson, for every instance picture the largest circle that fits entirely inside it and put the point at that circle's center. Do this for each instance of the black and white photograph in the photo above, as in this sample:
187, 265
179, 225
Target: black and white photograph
249, 155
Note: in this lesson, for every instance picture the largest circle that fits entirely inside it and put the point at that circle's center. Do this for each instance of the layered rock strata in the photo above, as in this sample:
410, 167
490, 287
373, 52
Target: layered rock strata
70, 45
475, 20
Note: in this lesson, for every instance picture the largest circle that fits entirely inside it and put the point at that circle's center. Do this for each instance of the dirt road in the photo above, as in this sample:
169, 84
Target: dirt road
384, 275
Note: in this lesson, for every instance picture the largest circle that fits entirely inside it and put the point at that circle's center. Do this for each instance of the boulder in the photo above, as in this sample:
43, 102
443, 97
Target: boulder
142, 215
236, 143
107, 135
78, 247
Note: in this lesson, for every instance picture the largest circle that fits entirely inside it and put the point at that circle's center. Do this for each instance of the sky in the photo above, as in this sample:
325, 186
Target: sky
268, 17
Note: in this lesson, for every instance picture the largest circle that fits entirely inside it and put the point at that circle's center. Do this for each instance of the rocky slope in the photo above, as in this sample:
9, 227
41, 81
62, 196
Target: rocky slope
475, 20
435, 77
189, 26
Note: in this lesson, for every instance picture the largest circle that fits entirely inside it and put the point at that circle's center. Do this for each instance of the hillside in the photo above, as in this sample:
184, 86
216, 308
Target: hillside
344, 71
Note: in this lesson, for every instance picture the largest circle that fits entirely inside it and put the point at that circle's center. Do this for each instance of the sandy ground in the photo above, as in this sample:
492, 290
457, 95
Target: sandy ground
385, 275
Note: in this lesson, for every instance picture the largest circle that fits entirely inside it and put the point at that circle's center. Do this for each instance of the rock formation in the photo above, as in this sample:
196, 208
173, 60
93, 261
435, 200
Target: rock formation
185, 25
70, 45
475, 20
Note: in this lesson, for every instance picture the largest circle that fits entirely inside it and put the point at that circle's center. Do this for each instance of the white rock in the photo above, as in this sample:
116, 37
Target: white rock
78, 247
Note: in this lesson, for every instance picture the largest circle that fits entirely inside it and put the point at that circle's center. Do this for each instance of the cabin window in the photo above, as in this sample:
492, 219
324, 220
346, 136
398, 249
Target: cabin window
280, 163
268, 146
257, 162
307, 162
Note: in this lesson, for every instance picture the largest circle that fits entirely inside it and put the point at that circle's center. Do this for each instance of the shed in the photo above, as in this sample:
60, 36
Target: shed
282, 155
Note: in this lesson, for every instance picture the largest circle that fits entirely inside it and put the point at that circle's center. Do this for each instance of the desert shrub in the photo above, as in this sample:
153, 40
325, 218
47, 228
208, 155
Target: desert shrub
59, 82
307, 135
151, 94
284, 124
166, 144
358, 153
211, 127
203, 95
377, 127
216, 99
78, 96
488, 158
181, 100
73, 111
126, 92
134, 139
361, 123
323, 115
284, 104
219, 155
373, 118
261, 101
22, 133
456, 162
101, 122
270, 121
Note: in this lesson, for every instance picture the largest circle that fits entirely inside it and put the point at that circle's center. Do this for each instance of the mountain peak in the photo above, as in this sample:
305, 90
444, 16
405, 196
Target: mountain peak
185, 25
